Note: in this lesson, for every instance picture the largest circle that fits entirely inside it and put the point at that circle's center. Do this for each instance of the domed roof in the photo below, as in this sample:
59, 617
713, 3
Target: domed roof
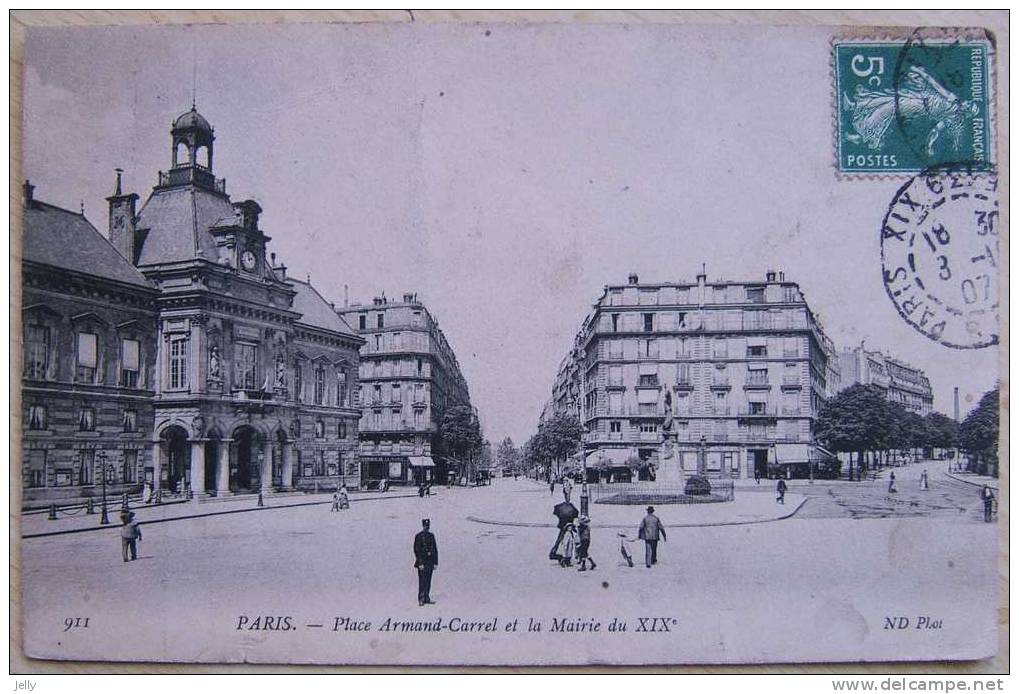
192, 120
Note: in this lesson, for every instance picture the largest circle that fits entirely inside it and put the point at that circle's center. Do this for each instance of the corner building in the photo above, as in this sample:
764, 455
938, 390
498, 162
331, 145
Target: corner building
739, 368
409, 377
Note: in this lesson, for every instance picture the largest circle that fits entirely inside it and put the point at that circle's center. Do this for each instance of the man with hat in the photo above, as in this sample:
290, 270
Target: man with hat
130, 533
426, 558
650, 530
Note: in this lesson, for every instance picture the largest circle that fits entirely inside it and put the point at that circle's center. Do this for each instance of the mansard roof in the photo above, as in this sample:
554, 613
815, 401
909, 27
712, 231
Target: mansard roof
316, 311
67, 240
175, 224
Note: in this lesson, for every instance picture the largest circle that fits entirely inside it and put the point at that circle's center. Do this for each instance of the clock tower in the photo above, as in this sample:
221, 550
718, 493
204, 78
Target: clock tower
122, 220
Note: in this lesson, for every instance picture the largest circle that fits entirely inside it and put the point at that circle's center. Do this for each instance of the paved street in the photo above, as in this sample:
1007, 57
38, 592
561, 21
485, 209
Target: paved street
809, 585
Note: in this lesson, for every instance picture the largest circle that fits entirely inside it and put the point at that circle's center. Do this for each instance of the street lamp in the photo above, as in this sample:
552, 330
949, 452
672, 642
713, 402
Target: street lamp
585, 498
105, 519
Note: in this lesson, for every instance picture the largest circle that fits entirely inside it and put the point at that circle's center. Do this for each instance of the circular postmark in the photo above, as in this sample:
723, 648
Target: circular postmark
940, 92
939, 255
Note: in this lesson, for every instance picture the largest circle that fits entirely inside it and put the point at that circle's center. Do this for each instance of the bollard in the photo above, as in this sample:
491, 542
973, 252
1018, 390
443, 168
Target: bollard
90, 506
53, 512
261, 503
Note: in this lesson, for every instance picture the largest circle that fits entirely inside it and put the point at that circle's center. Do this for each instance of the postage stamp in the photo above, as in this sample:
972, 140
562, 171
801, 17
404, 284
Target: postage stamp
939, 255
905, 106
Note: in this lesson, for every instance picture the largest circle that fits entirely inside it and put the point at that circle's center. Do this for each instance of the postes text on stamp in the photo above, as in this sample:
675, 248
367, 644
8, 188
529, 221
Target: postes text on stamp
902, 107
939, 255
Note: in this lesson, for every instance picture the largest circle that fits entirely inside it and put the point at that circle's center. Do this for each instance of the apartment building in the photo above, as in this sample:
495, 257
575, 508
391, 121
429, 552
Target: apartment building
900, 382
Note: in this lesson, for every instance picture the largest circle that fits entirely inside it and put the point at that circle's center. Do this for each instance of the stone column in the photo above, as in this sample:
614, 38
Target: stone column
197, 468
266, 470
288, 465
157, 471
223, 467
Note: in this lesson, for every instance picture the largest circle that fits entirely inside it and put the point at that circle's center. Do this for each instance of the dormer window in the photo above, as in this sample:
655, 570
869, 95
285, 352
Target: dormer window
88, 357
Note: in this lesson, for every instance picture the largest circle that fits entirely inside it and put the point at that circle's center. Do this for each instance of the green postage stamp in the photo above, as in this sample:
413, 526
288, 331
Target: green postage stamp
907, 106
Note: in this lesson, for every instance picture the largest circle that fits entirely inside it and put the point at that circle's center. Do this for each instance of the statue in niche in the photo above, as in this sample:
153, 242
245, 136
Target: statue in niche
281, 373
214, 363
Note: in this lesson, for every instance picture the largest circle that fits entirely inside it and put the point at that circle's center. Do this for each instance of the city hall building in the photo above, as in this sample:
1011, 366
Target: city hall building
409, 377
178, 351
734, 371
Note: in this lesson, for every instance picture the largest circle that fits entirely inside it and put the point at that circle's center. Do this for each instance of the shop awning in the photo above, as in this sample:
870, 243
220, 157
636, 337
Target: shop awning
421, 461
615, 457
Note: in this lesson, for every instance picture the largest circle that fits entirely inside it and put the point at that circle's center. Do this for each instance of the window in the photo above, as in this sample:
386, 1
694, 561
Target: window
37, 351
681, 320
416, 320
648, 380
87, 419
377, 393
380, 321
377, 419
297, 429
720, 348
397, 340
341, 388
320, 463
649, 322
757, 377
378, 341
246, 366
615, 322
417, 419
615, 375
130, 421
130, 469
683, 374
615, 427
320, 384
397, 394
341, 429
757, 408
362, 321
721, 402
298, 382
37, 467
757, 351
755, 295
178, 363
648, 428
648, 407
420, 366
320, 429
88, 357
86, 467
37, 420
615, 403
130, 363
419, 392
649, 348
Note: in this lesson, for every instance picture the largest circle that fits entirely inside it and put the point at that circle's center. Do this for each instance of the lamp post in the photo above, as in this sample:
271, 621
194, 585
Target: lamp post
104, 519
585, 498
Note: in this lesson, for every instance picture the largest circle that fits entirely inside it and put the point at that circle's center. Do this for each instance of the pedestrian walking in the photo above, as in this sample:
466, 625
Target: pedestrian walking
757, 475
584, 544
891, 483
923, 481
551, 487
781, 491
566, 513
426, 558
148, 492
988, 497
344, 497
130, 535
650, 530
567, 488
336, 501
568, 546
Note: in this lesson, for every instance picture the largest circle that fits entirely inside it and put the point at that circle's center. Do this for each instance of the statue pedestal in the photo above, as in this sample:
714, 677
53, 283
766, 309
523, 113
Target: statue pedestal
669, 469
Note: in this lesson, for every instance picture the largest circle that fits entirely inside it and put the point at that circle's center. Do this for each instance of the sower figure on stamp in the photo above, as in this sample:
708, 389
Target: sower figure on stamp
130, 534
650, 530
426, 558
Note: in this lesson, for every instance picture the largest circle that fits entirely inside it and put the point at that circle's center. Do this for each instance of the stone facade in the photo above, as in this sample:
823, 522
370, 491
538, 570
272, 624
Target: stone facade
901, 383
720, 378
249, 375
88, 361
409, 377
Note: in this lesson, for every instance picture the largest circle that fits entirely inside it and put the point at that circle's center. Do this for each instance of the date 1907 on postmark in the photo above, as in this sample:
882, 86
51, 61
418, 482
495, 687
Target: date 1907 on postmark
939, 255
905, 106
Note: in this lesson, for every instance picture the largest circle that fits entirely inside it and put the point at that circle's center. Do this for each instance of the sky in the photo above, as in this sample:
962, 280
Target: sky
505, 173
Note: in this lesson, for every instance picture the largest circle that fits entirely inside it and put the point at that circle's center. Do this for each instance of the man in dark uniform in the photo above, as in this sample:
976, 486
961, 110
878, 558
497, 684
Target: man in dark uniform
426, 558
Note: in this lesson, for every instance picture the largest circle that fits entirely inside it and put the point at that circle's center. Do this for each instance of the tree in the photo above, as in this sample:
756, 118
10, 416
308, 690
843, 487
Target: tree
460, 433
942, 431
560, 436
859, 419
507, 457
978, 434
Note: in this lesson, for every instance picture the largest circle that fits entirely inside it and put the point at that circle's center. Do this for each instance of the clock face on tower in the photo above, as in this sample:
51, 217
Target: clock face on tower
248, 260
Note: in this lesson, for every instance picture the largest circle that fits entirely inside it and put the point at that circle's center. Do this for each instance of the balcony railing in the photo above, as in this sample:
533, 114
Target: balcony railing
720, 383
757, 382
758, 412
791, 381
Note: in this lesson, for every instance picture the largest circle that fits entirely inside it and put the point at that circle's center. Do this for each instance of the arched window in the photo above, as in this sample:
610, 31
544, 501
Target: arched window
320, 384
37, 351
298, 382
320, 429
341, 388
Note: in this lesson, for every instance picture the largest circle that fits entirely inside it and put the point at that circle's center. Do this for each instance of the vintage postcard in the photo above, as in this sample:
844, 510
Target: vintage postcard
482, 343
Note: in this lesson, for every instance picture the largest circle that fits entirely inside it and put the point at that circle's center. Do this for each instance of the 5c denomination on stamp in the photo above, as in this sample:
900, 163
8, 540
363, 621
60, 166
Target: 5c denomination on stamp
939, 255
905, 106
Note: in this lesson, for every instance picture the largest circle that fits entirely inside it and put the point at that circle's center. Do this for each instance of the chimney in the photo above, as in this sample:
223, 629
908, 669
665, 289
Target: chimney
634, 279
28, 193
955, 395
702, 281
408, 298
122, 220
346, 296
770, 276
